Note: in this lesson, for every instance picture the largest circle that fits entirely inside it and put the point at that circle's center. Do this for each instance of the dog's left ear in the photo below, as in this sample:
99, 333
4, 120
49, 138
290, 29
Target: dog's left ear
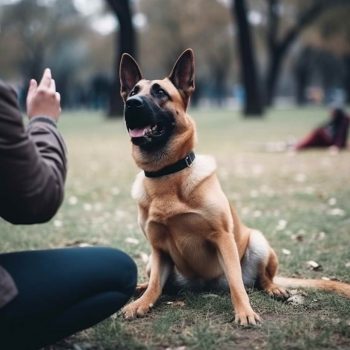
182, 75
129, 74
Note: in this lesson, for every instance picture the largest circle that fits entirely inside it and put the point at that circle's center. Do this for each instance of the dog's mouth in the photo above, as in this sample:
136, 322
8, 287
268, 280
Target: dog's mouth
149, 126
148, 132
153, 135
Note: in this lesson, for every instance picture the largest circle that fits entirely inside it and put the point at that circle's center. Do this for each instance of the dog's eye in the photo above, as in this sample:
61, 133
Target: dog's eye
161, 93
134, 91
158, 92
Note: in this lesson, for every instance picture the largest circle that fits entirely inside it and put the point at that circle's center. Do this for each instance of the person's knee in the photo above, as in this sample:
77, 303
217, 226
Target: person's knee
122, 269
129, 272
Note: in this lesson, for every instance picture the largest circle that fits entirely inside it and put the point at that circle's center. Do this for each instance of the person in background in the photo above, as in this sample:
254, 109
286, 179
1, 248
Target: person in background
47, 295
333, 133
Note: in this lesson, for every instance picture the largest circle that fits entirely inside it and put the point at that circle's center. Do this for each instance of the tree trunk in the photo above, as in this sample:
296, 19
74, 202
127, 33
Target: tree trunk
253, 103
273, 71
124, 42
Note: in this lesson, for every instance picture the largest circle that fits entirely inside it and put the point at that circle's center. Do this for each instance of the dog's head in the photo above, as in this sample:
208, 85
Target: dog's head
155, 110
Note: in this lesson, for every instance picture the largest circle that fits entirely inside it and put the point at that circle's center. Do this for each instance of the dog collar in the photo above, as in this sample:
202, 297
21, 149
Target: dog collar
173, 168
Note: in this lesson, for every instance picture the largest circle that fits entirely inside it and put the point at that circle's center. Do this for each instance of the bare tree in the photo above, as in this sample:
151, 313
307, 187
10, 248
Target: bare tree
253, 100
278, 47
125, 42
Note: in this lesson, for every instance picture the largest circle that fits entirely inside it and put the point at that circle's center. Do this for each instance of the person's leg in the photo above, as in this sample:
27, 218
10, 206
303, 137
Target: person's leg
61, 292
317, 138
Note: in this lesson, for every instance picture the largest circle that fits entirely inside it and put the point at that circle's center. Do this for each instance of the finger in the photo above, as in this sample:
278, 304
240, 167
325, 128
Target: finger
46, 79
32, 88
52, 85
58, 97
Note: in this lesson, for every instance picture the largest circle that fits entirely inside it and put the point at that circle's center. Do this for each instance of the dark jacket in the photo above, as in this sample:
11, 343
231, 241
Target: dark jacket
32, 171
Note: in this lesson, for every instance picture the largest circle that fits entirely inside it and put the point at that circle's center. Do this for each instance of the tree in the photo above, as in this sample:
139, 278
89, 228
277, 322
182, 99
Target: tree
253, 101
278, 46
203, 25
34, 35
125, 42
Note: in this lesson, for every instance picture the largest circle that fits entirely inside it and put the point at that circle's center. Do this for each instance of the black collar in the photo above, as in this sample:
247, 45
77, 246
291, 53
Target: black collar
173, 168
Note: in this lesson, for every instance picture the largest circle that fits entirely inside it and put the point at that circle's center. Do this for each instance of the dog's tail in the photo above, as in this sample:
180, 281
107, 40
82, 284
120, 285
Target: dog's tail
340, 288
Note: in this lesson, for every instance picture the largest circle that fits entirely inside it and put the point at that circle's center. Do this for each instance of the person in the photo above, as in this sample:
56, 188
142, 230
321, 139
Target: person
47, 295
332, 134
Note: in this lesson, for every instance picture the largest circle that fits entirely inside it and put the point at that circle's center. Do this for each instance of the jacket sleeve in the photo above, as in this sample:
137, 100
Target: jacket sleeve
32, 164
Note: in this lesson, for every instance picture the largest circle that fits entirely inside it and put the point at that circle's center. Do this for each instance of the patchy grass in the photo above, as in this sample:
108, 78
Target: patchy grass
300, 201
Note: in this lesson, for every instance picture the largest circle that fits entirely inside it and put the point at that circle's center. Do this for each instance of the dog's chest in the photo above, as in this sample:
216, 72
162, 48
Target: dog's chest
183, 235
165, 208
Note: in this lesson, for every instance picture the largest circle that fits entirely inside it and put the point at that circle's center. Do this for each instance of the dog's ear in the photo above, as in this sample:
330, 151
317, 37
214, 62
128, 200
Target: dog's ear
182, 75
129, 73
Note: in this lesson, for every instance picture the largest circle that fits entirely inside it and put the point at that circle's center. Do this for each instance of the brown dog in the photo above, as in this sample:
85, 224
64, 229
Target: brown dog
195, 234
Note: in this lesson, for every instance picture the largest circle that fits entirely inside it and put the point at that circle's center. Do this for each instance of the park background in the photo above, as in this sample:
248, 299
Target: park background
267, 72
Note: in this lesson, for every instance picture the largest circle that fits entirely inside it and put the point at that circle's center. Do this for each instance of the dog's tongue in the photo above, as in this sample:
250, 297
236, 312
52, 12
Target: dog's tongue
137, 132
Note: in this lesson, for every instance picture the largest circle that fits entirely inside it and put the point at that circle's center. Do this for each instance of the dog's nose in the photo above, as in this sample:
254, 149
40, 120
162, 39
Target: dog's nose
134, 102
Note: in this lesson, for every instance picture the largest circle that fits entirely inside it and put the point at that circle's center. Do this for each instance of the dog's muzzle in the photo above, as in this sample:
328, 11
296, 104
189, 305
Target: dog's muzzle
146, 122
134, 102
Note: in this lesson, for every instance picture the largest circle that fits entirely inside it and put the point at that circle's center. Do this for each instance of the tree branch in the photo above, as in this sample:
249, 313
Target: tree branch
306, 18
273, 22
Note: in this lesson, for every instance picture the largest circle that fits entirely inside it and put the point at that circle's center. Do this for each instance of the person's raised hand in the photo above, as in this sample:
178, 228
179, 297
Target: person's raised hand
42, 99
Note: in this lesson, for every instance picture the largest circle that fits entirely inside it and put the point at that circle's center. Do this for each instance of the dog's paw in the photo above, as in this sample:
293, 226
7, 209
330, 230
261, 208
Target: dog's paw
277, 292
248, 318
135, 309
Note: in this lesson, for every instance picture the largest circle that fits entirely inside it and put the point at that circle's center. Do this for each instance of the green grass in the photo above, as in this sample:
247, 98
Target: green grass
293, 199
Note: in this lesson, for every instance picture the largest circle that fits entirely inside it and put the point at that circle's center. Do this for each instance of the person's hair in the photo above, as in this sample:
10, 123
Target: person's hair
338, 116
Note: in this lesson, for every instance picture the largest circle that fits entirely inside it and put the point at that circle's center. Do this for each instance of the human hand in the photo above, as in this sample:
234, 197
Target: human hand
42, 99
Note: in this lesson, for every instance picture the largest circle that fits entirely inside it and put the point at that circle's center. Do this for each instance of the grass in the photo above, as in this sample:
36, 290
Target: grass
301, 202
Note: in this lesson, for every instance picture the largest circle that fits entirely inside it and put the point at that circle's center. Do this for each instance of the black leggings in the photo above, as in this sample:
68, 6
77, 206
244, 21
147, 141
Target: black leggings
62, 291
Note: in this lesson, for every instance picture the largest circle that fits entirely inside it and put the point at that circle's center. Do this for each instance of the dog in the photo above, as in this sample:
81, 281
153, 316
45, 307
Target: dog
195, 234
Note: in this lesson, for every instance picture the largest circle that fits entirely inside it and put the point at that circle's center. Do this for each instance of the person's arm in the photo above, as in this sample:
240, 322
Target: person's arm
33, 161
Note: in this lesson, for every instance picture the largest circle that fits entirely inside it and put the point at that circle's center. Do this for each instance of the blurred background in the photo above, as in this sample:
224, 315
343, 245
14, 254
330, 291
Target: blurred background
250, 55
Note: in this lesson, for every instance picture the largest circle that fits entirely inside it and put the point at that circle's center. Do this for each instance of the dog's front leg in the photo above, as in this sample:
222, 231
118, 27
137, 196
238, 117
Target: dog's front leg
229, 260
160, 270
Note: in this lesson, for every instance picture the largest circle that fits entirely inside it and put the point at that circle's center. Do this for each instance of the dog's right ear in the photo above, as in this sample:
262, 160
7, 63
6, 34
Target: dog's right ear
182, 75
129, 73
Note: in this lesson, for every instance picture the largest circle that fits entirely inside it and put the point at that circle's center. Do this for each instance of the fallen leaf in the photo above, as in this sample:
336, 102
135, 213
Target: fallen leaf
176, 303
87, 206
320, 236
143, 256
57, 223
132, 240
296, 300
313, 265
336, 212
332, 278
80, 243
282, 224
332, 201
297, 292
257, 213
72, 200
210, 295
